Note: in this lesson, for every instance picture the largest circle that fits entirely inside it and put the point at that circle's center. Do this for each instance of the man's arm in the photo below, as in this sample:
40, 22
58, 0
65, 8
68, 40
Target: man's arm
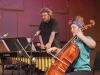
41, 42
40, 38
51, 39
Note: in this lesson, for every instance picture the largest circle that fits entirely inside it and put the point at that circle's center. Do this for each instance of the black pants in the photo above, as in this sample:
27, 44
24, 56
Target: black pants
80, 73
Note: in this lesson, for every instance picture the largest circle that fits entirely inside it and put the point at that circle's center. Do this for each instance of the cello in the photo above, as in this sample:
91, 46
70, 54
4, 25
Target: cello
66, 56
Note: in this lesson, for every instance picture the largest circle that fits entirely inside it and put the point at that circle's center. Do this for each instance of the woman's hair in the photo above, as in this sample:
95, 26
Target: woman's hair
46, 10
78, 20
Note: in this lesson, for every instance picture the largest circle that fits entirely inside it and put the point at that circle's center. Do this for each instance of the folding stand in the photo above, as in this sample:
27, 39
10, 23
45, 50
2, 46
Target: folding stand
8, 43
13, 44
30, 44
21, 52
24, 53
19, 47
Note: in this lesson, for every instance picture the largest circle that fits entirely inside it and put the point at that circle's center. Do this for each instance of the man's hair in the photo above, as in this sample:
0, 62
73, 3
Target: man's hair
46, 10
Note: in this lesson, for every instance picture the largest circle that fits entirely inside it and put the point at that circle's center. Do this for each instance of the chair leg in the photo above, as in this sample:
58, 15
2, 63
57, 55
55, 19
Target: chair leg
12, 72
93, 72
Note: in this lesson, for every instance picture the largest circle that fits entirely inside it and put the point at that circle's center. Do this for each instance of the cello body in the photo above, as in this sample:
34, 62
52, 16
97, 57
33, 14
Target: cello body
68, 56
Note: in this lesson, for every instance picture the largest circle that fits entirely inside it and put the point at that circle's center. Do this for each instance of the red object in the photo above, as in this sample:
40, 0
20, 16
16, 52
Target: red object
67, 56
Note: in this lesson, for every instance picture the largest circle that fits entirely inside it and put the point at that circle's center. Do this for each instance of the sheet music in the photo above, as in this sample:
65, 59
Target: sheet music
33, 47
6, 45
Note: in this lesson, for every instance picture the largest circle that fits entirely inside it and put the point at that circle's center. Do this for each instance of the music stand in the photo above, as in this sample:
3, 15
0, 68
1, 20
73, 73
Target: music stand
22, 52
10, 46
20, 47
15, 45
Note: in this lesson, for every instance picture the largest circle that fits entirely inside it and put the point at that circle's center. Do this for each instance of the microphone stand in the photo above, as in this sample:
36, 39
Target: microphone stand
31, 55
30, 44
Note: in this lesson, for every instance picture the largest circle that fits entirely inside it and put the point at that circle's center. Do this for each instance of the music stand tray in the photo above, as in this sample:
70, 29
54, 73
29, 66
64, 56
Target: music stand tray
20, 48
10, 46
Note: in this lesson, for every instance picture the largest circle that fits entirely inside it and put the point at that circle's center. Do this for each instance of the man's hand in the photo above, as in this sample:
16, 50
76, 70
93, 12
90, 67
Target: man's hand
42, 46
48, 45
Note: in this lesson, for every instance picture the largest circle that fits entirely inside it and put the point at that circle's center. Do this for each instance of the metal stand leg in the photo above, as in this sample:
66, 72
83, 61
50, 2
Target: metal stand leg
19, 63
12, 72
2, 68
2, 61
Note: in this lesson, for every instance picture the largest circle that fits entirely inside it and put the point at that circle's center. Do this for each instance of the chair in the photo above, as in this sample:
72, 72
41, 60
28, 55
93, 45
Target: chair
5, 61
96, 65
6, 64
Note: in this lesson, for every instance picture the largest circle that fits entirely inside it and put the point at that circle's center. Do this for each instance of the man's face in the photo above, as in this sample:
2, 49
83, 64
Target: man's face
45, 16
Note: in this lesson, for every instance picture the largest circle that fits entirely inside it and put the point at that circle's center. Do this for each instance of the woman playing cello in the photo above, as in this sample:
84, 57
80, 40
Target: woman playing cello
81, 65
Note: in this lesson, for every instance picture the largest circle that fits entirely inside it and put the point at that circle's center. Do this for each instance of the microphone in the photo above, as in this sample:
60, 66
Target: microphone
4, 35
37, 33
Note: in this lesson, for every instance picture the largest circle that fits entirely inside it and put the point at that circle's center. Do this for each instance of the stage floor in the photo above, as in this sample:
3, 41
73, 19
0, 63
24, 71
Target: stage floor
8, 72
